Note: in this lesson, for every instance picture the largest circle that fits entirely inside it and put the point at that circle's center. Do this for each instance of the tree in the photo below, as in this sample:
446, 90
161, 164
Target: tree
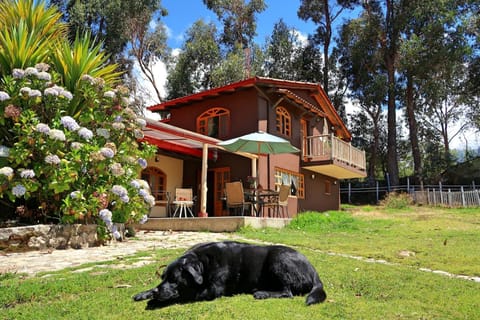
191, 70
282, 51
238, 64
108, 21
324, 14
362, 64
149, 46
238, 19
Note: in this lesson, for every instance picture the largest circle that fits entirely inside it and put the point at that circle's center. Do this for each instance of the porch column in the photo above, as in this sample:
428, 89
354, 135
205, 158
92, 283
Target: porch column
203, 187
254, 168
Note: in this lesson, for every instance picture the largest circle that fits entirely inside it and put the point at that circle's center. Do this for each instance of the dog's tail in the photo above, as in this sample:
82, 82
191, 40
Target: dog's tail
317, 294
145, 295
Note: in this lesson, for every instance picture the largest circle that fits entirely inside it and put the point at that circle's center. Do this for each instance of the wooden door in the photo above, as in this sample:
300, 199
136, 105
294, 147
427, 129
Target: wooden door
221, 176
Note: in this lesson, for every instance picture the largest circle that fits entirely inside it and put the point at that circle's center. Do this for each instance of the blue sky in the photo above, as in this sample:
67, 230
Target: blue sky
183, 13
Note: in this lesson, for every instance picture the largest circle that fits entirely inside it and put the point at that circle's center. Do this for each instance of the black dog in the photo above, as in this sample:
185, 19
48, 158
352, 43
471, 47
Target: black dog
211, 270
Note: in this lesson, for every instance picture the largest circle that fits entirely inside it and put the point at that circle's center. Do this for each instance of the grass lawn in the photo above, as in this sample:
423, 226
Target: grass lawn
439, 239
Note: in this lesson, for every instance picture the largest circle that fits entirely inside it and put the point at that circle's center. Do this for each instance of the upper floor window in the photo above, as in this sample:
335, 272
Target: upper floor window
214, 123
284, 122
157, 180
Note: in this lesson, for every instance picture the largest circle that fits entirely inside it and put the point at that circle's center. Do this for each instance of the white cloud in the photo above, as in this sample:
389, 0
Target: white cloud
145, 87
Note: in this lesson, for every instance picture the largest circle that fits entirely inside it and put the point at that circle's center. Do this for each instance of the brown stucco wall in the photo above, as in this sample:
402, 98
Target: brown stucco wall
315, 197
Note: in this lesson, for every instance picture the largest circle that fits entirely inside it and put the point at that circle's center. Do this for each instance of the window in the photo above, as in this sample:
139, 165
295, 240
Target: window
157, 180
328, 187
214, 122
293, 179
284, 122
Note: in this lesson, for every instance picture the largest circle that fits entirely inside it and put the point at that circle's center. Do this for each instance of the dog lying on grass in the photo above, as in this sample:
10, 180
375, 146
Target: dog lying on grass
208, 271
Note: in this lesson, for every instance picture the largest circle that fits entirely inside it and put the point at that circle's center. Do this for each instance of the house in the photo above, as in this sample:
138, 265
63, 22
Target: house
297, 111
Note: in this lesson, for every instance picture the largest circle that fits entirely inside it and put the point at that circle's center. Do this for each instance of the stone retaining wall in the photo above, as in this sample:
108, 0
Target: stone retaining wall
39, 237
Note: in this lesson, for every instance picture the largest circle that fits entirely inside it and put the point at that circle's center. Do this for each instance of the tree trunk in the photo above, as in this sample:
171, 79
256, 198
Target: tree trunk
390, 52
412, 123
392, 157
326, 45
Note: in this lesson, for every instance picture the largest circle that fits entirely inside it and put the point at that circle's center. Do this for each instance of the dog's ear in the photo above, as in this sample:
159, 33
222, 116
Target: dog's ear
195, 271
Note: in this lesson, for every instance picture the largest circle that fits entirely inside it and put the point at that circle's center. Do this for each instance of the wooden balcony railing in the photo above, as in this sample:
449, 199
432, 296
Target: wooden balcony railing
329, 147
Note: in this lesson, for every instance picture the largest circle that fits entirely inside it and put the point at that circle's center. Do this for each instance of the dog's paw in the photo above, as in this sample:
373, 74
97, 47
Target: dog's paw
261, 295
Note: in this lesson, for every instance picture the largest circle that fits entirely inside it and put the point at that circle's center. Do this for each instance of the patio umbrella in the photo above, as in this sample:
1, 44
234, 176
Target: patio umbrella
260, 143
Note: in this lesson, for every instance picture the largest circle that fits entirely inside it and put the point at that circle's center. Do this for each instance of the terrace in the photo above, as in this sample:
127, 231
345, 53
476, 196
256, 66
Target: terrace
331, 156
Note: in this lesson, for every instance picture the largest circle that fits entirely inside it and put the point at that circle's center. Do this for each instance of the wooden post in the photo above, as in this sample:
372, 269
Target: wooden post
377, 191
441, 192
203, 187
463, 196
349, 192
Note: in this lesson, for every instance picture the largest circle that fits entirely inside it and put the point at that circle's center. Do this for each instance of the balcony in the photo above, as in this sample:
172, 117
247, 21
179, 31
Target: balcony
333, 157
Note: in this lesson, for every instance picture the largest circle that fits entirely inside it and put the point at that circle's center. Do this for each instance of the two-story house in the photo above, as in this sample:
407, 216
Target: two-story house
297, 111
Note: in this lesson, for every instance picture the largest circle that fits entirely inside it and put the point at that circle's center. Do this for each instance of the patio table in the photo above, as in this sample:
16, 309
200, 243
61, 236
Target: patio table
259, 198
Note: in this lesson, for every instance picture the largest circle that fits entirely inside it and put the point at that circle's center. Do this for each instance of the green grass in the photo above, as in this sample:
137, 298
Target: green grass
356, 289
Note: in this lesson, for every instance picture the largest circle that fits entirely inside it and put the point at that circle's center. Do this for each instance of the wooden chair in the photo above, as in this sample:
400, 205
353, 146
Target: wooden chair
280, 201
235, 197
183, 202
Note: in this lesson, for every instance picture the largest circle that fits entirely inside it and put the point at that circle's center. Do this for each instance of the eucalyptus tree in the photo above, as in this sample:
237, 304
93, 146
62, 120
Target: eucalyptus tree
108, 20
433, 35
148, 45
190, 71
362, 63
238, 20
324, 13
282, 50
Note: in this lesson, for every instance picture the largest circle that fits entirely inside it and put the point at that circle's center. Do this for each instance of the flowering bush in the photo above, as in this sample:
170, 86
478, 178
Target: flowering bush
77, 168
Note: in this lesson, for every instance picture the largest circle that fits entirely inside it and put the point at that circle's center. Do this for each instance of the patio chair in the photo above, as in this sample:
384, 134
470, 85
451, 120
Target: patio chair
183, 202
235, 197
281, 201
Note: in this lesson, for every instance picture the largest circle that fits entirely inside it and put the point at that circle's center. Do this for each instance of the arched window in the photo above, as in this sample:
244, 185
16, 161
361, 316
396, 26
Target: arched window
214, 122
284, 121
157, 180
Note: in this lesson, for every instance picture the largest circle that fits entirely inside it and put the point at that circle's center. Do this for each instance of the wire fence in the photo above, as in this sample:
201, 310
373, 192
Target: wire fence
436, 195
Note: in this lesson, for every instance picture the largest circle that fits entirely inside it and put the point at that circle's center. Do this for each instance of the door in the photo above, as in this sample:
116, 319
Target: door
220, 177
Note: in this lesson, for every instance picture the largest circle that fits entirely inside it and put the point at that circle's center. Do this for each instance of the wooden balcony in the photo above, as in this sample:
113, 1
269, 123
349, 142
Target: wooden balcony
331, 156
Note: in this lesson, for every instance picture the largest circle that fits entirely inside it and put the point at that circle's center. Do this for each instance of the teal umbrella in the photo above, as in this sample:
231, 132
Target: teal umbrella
260, 143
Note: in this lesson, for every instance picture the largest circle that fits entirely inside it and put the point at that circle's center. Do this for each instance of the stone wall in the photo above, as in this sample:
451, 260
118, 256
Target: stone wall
39, 237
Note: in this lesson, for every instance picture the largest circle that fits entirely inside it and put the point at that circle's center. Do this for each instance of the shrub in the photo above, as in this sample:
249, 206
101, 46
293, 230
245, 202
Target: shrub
397, 200
82, 169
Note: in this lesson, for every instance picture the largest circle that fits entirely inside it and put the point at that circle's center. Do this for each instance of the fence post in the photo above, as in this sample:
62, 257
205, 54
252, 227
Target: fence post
449, 198
473, 184
477, 196
349, 192
408, 184
434, 198
463, 196
388, 182
377, 191
441, 192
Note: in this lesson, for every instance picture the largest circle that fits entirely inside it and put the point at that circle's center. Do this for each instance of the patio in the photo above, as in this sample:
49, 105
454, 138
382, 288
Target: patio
212, 224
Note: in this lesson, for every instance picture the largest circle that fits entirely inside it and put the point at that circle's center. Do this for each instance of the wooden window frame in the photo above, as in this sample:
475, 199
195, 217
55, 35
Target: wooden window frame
216, 112
283, 121
328, 187
300, 178
158, 185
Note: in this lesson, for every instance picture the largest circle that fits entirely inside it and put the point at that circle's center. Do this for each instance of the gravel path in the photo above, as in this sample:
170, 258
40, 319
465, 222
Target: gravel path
33, 262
